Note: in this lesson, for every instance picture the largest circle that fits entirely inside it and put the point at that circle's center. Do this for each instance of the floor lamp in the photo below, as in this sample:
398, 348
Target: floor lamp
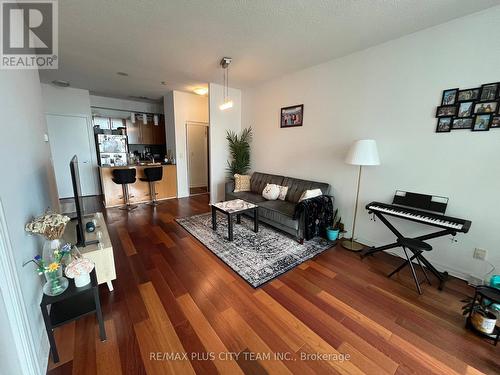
362, 152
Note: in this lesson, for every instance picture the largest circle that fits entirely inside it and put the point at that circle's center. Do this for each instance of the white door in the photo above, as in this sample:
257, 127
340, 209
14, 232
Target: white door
197, 150
68, 136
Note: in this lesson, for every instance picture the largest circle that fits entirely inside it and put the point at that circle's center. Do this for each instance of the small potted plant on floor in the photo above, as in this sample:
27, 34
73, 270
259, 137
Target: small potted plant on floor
332, 233
482, 317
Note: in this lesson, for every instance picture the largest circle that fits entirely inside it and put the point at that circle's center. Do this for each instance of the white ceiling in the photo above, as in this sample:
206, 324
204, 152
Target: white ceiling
181, 41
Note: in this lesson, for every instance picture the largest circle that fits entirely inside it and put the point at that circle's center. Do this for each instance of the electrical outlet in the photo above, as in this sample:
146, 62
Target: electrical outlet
479, 254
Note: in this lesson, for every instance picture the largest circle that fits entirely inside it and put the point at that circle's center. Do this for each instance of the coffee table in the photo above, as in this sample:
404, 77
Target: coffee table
232, 208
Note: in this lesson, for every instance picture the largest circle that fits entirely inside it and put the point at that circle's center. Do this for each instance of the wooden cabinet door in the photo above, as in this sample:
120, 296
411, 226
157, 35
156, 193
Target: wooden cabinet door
147, 133
159, 132
117, 123
133, 132
102, 122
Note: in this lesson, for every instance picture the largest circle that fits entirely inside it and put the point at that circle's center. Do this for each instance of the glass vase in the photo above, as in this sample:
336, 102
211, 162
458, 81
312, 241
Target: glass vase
49, 247
56, 282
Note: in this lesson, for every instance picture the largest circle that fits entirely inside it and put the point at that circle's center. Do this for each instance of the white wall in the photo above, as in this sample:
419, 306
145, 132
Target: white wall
220, 122
168, 109
187, 107
28, 185
390, 93
125, 104
8, 355
73, 102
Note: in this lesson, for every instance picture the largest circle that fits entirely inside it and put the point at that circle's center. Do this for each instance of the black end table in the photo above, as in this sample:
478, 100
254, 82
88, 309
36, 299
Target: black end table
491, 294
233, 208
73, 304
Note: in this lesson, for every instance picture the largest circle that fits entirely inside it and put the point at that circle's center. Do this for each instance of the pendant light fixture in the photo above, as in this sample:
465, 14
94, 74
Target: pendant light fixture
228, 103
155, 120
132, 117
144, 119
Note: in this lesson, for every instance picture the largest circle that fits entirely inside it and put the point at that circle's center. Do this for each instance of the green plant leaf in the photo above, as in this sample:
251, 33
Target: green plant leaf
239, 150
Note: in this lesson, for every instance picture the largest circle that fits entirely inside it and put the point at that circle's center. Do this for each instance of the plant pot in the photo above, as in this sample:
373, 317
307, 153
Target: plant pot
485, 324
82, 280
332, 234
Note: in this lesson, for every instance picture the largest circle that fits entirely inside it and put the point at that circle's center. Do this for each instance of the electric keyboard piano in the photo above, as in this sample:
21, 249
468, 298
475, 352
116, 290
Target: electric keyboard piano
421, 208
424, 217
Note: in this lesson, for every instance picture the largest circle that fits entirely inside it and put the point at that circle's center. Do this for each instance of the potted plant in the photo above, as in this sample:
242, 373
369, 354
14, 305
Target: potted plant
482, 317
332, 233
239, 149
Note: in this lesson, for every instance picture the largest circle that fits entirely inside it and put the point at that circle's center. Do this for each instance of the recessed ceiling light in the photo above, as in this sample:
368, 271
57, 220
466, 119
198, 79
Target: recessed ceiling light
201, 90
122, 74
60, 83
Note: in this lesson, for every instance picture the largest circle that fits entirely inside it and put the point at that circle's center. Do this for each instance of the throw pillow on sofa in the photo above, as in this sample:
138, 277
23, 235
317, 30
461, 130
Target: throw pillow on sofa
271, 192
310, 194
241, 183
283, 191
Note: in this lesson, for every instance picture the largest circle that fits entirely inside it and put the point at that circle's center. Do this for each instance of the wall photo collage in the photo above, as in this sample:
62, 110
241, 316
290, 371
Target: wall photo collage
476, 109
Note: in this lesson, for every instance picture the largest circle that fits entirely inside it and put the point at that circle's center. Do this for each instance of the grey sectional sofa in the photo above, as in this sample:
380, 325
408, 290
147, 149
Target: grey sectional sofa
277, 213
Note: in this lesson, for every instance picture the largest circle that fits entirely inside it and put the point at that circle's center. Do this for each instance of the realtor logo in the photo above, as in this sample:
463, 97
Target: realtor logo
29, 34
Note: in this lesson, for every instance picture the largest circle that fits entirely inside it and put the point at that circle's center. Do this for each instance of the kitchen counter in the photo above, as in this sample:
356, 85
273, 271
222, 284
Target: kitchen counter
136, 165
138, 191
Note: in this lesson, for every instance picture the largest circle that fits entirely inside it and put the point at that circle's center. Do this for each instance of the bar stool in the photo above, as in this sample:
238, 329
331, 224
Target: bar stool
152, 175
124, 177
416, 247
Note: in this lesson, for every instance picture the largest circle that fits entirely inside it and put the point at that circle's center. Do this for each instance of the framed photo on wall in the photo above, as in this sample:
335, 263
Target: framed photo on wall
446, 111
465, 109
462, 123
485, 107
449, 97
495, 123
443, 125
469, 94
481, 123
292, 116
489, 91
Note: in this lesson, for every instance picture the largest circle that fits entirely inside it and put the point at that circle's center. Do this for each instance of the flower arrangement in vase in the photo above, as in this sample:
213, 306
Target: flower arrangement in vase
56, 283
51, 226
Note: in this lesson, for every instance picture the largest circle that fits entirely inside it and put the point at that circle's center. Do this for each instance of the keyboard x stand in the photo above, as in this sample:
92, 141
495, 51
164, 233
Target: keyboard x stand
442, 276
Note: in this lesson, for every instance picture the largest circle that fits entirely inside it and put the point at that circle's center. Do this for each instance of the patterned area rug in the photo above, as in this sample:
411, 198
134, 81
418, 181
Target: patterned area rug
256, 257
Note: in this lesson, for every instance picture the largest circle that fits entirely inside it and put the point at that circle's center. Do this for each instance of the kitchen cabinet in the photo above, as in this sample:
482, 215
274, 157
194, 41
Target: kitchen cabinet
159, 132
133, 132
146, 134
117, 123
101, 122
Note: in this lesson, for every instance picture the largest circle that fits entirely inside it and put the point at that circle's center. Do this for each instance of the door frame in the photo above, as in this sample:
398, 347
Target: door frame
91, 142
206, 125
10, 286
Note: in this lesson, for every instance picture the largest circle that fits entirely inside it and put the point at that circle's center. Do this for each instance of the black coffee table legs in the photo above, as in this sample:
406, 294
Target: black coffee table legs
230, 221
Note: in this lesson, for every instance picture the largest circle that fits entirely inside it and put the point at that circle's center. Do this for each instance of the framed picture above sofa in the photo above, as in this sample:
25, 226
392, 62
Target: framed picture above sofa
292, 116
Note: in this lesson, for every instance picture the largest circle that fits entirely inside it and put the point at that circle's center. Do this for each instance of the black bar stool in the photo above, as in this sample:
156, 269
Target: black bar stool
416, 247
124, 177
152, 175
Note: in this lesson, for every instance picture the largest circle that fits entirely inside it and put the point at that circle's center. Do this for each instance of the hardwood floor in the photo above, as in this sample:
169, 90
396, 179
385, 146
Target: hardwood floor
173, 296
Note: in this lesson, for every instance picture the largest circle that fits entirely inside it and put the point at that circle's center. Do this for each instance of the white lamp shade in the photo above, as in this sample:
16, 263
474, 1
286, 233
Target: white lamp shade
363, 152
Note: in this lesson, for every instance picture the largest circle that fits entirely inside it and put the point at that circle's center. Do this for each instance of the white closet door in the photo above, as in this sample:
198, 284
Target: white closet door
68, 136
